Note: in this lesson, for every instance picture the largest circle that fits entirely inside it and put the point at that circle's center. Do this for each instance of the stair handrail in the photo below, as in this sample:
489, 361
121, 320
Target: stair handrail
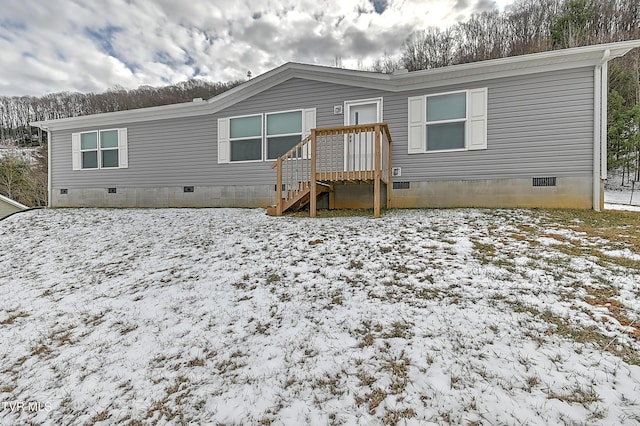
297, 152
290, 152
316, 156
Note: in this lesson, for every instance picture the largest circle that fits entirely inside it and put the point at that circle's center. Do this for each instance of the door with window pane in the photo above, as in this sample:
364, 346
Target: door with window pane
360, 146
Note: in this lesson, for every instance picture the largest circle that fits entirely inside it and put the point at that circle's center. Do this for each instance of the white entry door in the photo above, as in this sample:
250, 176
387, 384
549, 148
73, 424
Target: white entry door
360, 146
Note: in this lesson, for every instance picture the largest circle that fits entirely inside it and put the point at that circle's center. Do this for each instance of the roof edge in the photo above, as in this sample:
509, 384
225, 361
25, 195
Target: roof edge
576, 56
162, 112
597, 51
13, 202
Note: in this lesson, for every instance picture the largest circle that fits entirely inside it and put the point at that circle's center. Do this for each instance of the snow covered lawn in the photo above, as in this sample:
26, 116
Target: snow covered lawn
622, 200
230, 316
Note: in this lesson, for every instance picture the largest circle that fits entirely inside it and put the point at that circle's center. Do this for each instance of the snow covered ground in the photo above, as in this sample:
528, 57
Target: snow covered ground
230, 316
623, 200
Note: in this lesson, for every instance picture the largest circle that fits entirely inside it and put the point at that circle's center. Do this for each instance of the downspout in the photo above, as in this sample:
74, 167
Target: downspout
597, 146
600, 131
48, 165
605, 121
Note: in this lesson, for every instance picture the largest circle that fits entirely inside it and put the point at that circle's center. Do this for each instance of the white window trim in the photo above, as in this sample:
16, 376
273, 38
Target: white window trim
464, 120
224, 134
418, 128
76, 148
96, 150
261, 137
267, 136
100, 149
348, 104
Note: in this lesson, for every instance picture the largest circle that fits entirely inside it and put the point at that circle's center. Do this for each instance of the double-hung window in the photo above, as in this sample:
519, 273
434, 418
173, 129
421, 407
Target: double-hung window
89, 150
262, 137
454, 121
284, 131
446, 121
109, 148
245, 138
99, 149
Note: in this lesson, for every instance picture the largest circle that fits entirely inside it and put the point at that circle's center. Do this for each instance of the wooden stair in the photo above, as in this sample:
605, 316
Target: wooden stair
344, 154
298, 199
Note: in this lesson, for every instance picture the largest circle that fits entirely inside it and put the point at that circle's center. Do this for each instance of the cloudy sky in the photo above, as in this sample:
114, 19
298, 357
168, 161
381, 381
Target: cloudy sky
88, 45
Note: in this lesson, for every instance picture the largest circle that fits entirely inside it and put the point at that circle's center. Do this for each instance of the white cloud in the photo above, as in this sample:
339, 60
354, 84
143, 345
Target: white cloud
81, 45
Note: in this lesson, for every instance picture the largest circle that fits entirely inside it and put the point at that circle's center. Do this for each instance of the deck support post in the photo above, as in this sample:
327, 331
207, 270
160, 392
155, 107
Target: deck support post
376, 174
332, 197
313, 194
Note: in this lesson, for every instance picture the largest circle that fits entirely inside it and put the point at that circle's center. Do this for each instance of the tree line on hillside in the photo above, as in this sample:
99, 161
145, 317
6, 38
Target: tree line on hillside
17, 111
24, 178
526, 26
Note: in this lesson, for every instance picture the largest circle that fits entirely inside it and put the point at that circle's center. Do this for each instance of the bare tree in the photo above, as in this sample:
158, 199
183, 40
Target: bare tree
431, 48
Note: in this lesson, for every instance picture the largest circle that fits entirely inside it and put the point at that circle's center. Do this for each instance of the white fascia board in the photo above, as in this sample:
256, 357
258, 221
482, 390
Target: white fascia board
12, 202
186, 109
246, 90
438, 77
304, 71
488, 74
514, 66
217, 103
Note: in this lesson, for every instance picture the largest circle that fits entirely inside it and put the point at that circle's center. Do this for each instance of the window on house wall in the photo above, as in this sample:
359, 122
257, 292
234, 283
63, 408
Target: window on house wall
89, 150
99, 149
245, 138
446, 121
284, 131
451, 121
262, 136
109, 148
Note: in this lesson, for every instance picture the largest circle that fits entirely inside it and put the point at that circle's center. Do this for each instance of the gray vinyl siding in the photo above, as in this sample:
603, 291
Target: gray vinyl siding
170, 152
538, 125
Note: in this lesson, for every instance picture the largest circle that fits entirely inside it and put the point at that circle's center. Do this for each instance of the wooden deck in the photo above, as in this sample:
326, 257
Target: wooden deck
360, 153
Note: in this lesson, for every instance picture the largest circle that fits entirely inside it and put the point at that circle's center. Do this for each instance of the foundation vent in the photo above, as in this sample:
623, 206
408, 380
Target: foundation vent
544, 181
187, 189
400, 185
111, 190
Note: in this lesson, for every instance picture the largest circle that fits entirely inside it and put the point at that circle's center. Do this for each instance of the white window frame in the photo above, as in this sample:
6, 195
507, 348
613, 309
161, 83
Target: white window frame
475, 122
77, 151
224, 134
100, 149
265, 149
96, 150
453, 120
261, 137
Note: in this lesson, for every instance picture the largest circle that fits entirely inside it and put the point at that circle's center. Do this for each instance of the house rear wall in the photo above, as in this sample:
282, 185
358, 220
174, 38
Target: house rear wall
538, 125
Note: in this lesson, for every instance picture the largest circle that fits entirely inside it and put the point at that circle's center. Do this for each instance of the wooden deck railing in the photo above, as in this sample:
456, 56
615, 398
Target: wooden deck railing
345, 153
